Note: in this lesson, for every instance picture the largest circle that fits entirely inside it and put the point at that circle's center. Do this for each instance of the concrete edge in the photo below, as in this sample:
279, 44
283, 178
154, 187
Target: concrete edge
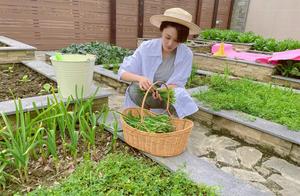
14, 44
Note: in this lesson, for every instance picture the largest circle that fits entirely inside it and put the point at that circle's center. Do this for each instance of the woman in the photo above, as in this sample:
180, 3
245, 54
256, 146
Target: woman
165, 59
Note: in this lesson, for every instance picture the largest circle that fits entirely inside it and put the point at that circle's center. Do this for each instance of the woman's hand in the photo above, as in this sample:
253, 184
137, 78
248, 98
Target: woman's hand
156, 95
144, 83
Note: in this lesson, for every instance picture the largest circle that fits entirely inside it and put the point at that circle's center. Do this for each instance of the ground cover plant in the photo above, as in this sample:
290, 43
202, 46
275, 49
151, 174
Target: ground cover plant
260, 100
19, 81
113, 67
105, 53
122, 174
259, 43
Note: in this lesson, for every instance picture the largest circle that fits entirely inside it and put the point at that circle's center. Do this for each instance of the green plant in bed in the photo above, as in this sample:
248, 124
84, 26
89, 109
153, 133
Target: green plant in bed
122, 174
260, 100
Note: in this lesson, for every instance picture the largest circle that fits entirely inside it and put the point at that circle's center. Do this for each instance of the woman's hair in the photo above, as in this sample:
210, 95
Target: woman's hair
182, 31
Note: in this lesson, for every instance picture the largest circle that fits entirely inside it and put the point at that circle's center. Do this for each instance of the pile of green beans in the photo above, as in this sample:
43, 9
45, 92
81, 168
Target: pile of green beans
152, 124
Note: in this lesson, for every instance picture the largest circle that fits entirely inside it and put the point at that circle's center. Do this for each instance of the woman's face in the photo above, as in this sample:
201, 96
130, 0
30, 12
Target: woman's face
169, 39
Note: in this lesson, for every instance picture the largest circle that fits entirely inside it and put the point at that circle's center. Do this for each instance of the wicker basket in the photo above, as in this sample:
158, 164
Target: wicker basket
159, 144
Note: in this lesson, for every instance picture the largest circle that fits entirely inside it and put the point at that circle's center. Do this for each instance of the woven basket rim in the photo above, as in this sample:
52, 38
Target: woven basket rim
160, 134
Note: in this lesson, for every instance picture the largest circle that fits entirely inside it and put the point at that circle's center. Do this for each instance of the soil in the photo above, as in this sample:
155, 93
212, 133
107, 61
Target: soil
11, 82
42, 172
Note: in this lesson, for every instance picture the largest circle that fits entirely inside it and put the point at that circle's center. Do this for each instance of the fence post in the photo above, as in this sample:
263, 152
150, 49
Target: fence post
215, 14
113, 22
230, 14
140, 19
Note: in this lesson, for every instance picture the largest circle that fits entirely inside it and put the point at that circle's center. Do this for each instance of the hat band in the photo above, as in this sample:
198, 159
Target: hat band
179, 16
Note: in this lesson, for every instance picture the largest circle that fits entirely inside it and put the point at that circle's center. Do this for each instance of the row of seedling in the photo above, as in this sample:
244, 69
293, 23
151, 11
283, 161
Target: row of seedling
41, 133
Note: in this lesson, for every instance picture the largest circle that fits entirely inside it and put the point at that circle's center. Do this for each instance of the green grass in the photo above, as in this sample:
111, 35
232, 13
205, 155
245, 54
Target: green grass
121, 174
264, 101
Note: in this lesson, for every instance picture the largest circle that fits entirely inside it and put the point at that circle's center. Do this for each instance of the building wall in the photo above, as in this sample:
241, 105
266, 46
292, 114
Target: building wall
51, 25
274, 18
239, 15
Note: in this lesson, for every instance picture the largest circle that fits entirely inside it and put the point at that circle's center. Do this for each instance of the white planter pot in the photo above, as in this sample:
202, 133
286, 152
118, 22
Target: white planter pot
74, 72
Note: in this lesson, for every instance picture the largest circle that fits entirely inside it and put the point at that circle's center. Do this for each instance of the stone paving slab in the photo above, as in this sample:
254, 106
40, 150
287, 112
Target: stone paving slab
42, 68
201, 171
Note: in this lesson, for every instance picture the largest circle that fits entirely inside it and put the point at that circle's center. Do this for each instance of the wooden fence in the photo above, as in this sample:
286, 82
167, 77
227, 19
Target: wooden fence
54, 24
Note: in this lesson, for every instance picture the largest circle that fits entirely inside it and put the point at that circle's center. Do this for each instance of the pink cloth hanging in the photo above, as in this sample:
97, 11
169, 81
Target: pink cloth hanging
247, 56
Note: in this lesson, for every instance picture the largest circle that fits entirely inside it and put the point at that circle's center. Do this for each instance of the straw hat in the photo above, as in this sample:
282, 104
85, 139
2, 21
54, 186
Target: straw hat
176, 15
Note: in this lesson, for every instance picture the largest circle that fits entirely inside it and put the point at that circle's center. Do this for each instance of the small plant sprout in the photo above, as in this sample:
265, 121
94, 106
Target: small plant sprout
46, 89
11, 69
25, 78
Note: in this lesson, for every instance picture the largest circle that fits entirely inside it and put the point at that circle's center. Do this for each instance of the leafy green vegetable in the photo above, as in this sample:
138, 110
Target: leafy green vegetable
260, 43
289, 69
105, 53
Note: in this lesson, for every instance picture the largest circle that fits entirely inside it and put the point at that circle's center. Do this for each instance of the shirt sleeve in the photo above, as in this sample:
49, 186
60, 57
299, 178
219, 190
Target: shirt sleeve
183, 71
133, 63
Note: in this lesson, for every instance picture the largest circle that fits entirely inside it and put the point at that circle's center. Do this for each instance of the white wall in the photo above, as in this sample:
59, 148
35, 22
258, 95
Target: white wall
279, 19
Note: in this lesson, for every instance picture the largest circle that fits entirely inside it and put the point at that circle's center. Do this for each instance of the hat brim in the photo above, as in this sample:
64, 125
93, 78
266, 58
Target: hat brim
156, 20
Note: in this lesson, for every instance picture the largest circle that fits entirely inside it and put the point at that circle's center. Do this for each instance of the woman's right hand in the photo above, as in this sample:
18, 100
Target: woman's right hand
144, 83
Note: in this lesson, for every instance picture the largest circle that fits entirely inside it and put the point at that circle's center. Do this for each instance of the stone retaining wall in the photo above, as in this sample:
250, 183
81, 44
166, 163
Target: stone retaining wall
15, 51
260, 72
119, 86
15, 56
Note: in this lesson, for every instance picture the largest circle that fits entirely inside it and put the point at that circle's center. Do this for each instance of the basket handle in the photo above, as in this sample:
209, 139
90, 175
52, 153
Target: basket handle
145, 96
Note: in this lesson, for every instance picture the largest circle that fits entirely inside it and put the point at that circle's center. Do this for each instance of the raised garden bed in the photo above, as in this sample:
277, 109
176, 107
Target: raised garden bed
19, 81
237, 46
256, 71
110, 78
13, 51
45, 71
270, 135
252, 70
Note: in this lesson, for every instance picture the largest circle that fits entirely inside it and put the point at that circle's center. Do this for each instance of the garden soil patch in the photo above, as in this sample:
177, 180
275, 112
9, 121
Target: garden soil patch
21, 81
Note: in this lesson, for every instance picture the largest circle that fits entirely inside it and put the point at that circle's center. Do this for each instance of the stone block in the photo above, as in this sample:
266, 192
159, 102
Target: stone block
280, 146
203, 117
237, 68
99, 103
248, 134
295, 153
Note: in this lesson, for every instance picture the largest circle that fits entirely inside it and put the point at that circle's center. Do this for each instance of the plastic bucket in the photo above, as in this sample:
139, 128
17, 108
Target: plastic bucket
74, 72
